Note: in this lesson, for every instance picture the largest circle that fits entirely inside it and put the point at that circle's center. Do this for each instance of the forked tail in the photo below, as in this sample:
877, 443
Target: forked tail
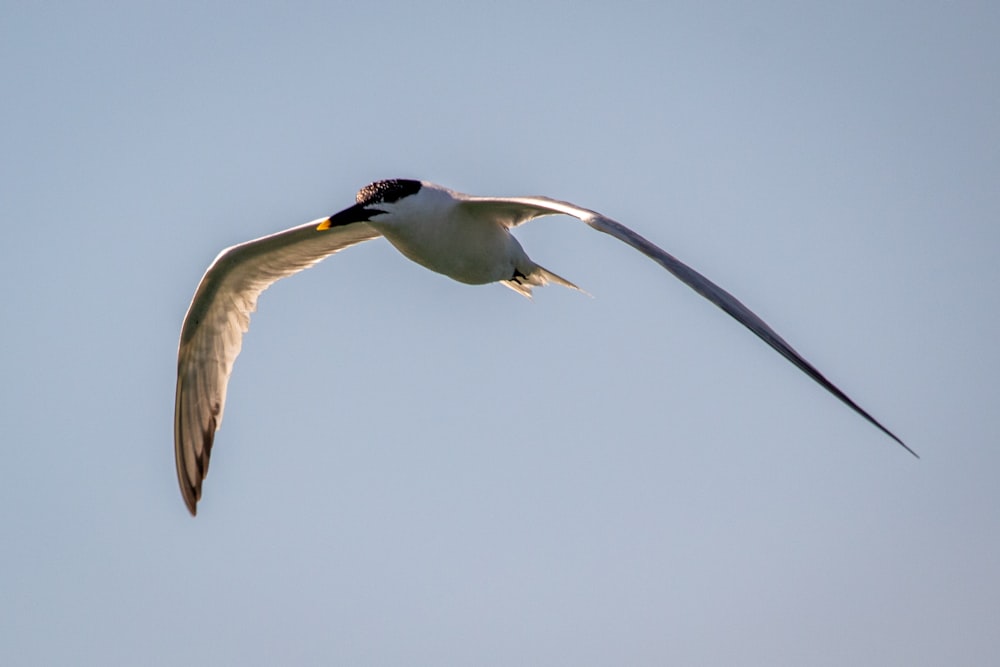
536, 277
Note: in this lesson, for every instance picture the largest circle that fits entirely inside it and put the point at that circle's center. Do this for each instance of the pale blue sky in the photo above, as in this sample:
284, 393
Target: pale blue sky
413, 471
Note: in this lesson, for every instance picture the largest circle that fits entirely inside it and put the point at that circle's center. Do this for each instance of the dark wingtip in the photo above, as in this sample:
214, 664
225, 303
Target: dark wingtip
857, 408
190, 495
902, 444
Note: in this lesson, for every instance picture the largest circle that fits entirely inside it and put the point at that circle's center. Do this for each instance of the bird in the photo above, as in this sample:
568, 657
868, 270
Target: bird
467, 238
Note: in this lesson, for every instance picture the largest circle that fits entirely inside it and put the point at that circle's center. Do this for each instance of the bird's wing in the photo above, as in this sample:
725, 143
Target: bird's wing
213, 330
517, 210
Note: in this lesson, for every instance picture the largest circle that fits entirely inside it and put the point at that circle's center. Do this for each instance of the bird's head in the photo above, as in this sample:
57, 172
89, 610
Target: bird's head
387, 192
381, 198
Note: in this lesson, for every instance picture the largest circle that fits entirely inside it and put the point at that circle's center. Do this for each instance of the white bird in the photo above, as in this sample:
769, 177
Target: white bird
464, 237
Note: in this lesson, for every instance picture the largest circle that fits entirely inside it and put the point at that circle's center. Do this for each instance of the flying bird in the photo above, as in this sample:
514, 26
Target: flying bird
464, 237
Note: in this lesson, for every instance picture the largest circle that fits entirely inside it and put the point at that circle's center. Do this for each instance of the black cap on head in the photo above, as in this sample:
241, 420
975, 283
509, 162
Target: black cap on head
387, 191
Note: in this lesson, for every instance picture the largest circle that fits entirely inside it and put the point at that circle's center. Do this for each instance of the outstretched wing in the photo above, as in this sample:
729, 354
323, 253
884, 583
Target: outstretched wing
516, 210
213, 329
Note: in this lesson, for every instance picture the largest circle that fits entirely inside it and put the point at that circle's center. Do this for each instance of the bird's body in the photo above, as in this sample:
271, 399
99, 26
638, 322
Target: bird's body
466, 240
455, 240
463, 237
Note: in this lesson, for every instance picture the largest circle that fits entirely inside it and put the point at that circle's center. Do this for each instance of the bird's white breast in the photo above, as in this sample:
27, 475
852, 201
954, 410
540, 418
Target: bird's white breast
437, 232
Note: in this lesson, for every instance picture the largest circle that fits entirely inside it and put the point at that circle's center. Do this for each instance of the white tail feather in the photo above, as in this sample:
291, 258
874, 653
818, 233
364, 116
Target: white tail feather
537, 277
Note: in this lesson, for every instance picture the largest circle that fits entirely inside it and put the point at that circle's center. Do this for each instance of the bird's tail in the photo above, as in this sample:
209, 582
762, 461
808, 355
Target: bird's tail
536, 277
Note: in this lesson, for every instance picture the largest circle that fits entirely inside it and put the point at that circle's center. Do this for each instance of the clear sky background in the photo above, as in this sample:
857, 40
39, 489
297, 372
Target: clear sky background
414, 471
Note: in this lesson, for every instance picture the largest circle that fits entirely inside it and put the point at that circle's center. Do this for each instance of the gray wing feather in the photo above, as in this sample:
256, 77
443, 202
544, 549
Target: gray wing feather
517, 210
213, 330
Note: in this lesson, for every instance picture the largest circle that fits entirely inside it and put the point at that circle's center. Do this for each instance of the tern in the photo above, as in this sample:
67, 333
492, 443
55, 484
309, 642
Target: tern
464, 237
